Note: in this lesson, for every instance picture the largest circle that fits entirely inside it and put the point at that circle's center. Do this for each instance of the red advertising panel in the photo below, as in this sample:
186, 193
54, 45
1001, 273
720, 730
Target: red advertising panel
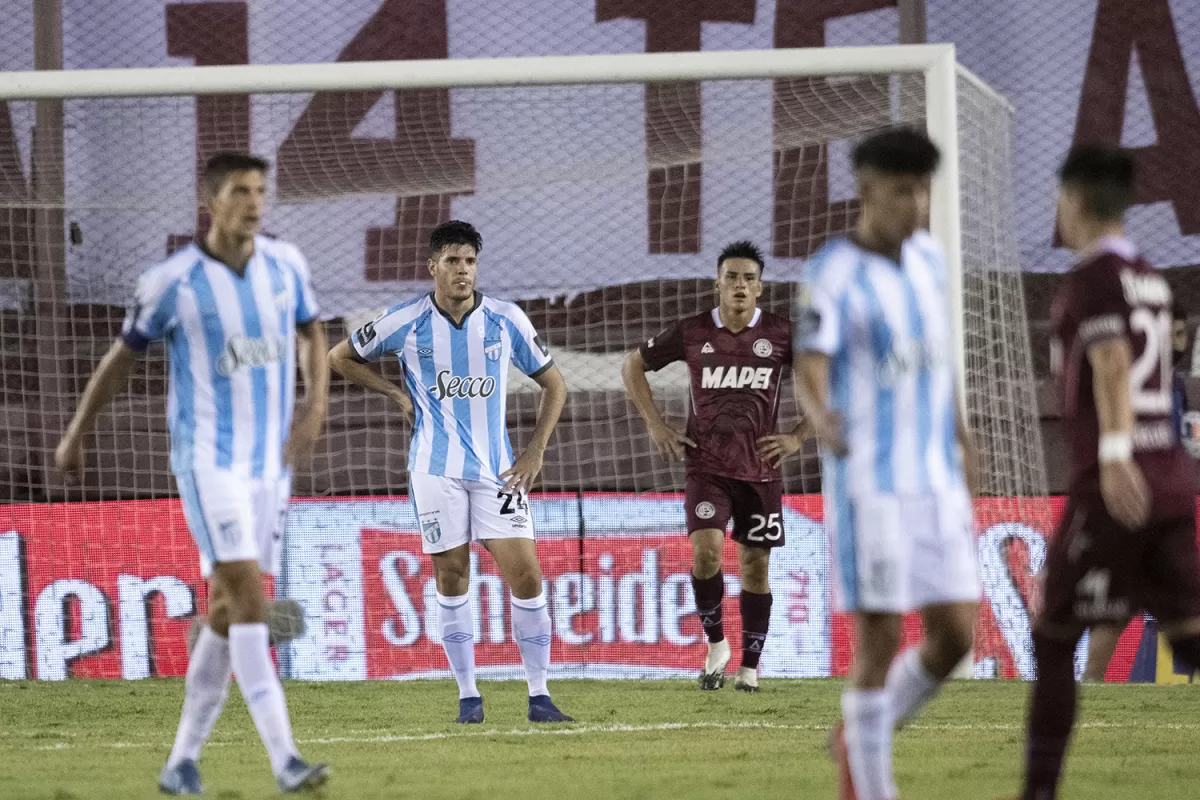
106, 590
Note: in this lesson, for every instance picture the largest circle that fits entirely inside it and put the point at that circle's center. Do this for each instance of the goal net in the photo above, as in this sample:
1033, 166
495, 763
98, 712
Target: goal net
604, 188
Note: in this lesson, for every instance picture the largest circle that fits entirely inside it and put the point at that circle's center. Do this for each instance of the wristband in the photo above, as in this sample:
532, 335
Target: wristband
1115, 447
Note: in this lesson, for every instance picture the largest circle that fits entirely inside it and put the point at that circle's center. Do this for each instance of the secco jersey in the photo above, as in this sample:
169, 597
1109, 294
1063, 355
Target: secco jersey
886, 329
231, 344
457, 377
735, 381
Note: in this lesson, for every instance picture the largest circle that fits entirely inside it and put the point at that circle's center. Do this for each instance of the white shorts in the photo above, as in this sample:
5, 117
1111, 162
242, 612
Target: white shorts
899, 554
234, 518
453, 512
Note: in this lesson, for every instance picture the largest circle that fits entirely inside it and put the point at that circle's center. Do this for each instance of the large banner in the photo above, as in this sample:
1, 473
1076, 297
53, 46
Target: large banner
107, 589
607, 179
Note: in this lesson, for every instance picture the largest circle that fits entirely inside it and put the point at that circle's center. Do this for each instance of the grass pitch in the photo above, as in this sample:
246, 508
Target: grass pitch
654, 739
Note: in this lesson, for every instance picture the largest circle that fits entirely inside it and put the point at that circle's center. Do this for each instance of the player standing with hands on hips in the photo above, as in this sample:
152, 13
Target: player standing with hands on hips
876, 375
233, 309
455, 346
736, 356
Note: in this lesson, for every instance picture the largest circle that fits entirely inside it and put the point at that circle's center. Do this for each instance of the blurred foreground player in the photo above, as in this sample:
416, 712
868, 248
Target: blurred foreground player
454, 345
1127, 540
232, 310
1103, 638
876, 375
736, 354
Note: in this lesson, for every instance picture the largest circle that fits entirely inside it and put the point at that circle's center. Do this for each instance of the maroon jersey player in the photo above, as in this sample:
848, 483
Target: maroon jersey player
736, 355
1127, 540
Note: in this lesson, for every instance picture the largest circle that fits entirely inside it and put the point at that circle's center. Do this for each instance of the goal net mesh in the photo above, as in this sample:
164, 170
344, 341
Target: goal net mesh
602, 209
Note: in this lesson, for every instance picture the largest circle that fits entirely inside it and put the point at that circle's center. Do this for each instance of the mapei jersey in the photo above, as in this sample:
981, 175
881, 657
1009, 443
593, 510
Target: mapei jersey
735, 381
886, 329
457, 377
231, 344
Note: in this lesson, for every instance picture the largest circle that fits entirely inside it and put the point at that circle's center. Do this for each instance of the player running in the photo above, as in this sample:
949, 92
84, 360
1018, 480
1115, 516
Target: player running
232, 309
875, 374
1127, 539
455, 346
736, 354
1103, 638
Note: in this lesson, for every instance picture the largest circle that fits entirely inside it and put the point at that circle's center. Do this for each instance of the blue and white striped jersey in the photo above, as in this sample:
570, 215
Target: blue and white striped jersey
886, 328
231, 344
457, 377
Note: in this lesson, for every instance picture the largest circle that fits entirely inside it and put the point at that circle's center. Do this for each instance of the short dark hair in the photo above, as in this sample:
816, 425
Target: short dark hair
454, 232
897, 151
221, 165
1103, 176
742, 249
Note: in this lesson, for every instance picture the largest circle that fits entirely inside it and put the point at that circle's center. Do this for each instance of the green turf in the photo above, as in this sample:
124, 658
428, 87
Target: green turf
655, 739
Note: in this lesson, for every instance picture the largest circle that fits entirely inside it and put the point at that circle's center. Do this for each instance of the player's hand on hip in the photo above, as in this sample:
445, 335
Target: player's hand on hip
828, 428
68, 458
300, 441
774, 448
1126, 495
520, 476
670, 442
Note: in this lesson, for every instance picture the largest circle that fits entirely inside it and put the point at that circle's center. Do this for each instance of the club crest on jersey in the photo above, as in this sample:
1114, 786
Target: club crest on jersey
493, 348
707, 349
431, 529
736, 377
706, 510
762, 348
453, 386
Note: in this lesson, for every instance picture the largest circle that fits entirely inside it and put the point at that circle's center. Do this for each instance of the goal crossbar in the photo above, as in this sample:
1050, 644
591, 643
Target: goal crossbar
480, 72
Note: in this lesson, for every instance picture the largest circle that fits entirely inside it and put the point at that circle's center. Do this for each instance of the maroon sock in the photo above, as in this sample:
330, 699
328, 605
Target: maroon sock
710, 593
756, 618
1051, 716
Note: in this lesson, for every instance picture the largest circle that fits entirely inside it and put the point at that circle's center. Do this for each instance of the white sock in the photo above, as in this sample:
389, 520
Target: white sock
250, 652
867, 714
910, 686
205, 690
531, 629
458, 640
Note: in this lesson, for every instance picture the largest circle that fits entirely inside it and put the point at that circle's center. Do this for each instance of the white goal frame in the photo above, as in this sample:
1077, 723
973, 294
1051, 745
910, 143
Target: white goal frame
936, 62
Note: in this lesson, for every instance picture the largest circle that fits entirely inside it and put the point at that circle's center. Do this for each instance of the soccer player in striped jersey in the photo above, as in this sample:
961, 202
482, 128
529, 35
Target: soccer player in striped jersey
875, 374
455, 346
233, 309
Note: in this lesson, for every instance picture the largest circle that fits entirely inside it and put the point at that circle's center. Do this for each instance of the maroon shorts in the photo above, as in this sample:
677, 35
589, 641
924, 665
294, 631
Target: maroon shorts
1098, 571
756, 508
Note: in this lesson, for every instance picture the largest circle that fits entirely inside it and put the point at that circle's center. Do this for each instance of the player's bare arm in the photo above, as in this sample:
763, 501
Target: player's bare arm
313, 351
972, 467
520, 476
669, 441
1122, 484
811, 374
344, 362
110, 377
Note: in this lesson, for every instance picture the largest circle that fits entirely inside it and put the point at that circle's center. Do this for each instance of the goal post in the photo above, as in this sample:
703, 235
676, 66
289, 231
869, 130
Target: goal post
604, 187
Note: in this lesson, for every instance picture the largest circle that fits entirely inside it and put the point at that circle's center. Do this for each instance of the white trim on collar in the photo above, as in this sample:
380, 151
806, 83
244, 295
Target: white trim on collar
716, 318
